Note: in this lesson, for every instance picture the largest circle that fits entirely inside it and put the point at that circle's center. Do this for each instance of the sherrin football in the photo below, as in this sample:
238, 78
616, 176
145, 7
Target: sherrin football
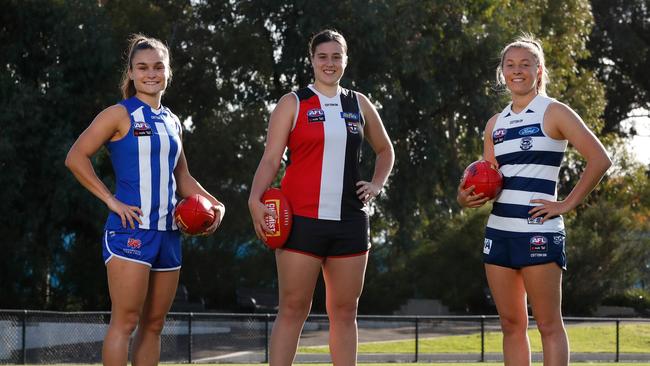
485, 177
274, 200
194, 214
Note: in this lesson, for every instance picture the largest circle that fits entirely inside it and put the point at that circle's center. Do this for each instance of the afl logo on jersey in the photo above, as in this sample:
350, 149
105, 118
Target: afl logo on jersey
527, 131
526, 143
499, 135
315, 115
538, 244
141, 129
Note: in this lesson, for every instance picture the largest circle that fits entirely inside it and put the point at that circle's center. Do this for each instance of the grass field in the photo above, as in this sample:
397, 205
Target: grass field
376, 364
634, 338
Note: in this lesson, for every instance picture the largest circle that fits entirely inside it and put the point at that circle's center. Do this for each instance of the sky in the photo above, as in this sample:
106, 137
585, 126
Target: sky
640, 144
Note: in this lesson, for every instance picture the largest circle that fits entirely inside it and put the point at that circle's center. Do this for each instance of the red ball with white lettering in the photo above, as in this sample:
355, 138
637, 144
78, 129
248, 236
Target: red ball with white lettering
276, 201
194, 214
485, 177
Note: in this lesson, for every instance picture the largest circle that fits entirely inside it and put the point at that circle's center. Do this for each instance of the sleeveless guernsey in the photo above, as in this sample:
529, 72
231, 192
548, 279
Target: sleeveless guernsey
143, 162
324, 144
530, 162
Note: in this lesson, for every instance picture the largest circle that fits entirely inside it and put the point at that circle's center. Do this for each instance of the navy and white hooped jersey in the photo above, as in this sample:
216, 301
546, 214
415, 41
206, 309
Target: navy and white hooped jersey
144, 161
530, 162
324, 144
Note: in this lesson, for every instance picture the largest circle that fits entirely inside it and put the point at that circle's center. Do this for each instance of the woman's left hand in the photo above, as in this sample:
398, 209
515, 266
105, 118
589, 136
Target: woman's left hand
217, 220
548, 209
366, 191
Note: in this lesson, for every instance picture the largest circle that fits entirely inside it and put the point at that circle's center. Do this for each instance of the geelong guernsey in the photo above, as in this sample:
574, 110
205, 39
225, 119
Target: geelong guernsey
324, 144
530, 162
144, 161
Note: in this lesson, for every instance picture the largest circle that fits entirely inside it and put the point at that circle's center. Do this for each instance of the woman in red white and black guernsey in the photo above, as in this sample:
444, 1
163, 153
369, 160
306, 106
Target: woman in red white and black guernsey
322, 126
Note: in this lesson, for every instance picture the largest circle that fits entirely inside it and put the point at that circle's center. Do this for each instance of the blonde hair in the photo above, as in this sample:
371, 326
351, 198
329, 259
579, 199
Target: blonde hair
139, 42
528, 42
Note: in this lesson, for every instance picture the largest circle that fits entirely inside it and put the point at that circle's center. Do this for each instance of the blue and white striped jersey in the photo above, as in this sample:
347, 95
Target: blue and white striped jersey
530, 162
144, 161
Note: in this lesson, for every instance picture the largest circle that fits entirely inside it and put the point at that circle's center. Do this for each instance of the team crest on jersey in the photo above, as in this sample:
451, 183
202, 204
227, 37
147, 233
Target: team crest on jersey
499, 135
538, 244
350, 116
527, 131
558, 239
316, 115
142, 129
353, 127
526, 143
487, 245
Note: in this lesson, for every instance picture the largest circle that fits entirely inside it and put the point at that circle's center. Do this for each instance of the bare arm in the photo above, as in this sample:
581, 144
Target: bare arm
379, 141
187, 186
561, 122
276, 141
111, 123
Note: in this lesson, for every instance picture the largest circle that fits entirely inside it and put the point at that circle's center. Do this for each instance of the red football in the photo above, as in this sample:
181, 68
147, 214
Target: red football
485, 177
276, 201
194, 214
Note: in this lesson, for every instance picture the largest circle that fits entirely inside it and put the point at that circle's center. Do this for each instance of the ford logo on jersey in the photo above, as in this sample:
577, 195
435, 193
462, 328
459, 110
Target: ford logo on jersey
528, 131
315, 115
350, 116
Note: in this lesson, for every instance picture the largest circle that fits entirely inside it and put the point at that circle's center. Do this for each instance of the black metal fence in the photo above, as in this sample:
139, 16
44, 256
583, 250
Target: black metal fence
35, 337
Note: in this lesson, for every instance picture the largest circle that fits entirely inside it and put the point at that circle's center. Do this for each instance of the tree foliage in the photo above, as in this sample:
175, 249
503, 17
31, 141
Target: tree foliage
428, 66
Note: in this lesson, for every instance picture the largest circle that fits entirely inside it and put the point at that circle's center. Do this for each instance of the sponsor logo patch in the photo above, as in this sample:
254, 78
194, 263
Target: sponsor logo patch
526, 143
527, 131
142, 129
350, 116
316, 115
535, 221
538, 246
499, 135
134, 243
487, 246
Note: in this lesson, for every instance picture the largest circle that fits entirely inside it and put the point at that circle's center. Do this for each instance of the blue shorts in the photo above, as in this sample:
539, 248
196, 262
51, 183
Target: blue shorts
160, 250
329, 238
517, 250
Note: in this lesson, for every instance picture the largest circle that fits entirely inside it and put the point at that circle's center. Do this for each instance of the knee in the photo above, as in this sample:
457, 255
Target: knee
513, 325
152, 323
550, 328
294, 308
126, 322
343, 311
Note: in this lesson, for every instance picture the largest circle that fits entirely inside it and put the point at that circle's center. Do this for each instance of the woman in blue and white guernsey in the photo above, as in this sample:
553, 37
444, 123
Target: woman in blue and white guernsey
141, 242
524, 240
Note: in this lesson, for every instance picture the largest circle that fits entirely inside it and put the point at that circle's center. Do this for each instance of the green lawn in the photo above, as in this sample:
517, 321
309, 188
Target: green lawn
602, 338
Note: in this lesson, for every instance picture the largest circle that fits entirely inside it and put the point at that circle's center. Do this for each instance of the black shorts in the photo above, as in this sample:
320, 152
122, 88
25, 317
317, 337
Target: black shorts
329, 238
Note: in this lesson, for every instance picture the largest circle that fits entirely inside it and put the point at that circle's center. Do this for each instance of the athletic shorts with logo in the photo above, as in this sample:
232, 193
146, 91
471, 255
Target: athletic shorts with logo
329, 238
517, 250
160, 250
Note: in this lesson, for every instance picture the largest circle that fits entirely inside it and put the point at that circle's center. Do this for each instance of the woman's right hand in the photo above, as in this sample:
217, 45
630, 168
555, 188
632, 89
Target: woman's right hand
125, 211
258, 211
467, 198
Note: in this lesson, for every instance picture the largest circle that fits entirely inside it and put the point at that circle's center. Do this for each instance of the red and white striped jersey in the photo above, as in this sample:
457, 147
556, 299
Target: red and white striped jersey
324, 147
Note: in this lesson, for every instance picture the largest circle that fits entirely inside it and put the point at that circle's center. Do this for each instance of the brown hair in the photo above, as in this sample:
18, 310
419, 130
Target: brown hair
529, 42
327, 35
139, 42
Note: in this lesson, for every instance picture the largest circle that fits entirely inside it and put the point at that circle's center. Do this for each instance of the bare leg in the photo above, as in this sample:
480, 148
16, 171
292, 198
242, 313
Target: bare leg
544, 287
162, 289
297, 275
507, 287
127, 285
344, 283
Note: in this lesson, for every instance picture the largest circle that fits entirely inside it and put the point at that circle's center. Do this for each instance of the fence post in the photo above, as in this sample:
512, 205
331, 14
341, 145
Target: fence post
266, 338
24, 336
189, 337
482, 338
417, 338
618, 321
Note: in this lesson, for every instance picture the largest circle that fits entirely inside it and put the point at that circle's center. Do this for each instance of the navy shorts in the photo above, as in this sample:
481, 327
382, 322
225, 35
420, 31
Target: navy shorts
517, 250
160, 250
329, 238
